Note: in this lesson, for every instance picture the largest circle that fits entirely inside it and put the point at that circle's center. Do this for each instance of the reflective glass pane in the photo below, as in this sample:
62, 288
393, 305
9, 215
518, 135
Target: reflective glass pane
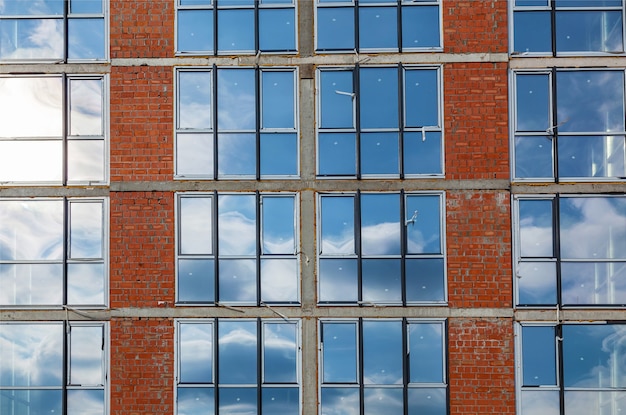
31, 161
420, 27
536, 283
532, 100
237, 224
238, 401
591, 156
533, 157
379, 154
532, 32
593, 283
31, 401
335, 28
277, 29
340, 401
380, 224
86, 355
336, 99
194, 99
377, 28
589, 31
237, 353
86, 39
423, 224
339, 353
31, 284
236, 97
421, 97
426, 353
195, 401
236, 155
540, 402
595, 402
427, 401
536, 228
336, 154
235, 30
381, 279
195, 353
378, 401
194, 155
338, 280
532, 3
588, 3
86, 230
195, 2
379, 85
86, 116
86, 284
85, 402
277, 99
280, 354
86, 6
237, 280
337, 217
425, 280
32, 8
279, 280
196, 280
280, 401
195, 31
278, 225
31, 355
422, 153
196, 225
25, 39
279, 154
85, 160
382, 352
539, 356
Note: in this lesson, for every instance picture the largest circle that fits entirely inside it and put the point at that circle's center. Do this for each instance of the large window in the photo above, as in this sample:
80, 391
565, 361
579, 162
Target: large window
53, 129
53, 30
381, 248
359, 137
236, 123
207, 27
569, 125
53, 368
53, 252
376, 366
570, 250
237, 248
238, 366
571, 369
567, 27
378, 25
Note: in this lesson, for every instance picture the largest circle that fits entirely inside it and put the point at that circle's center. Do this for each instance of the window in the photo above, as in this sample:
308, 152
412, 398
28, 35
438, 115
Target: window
571, 369
53, 30
236, 123
567, 27
358, 137
237, 248
228, 366
383, 366
571, 250
53, 252
378, 25
207, 27
53, 367
381, 248
569, 125
54, 129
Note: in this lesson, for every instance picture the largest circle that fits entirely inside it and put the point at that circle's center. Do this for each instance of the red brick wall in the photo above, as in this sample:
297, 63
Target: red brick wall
475, 26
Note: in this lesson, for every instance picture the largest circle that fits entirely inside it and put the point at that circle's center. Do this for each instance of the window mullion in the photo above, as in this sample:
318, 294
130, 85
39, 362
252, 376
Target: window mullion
399, 25
400, 116
66, 42
357, 244
216, 246
257, 109
356, 27
558, 329
403, 247
258, 247
553, 27
405, 360
257, 46
356, 79
360, 363
215, 20
66, 245
214, 110
65, 113
216, 368
554, 128
556, 218
67, 331
259, 366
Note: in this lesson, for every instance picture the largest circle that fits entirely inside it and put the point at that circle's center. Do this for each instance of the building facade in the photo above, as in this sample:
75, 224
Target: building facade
312, 207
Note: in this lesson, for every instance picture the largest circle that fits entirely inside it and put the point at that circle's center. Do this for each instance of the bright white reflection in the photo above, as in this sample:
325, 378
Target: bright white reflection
540, 403
237, 224
196, 225
31, 161
194, 100
86, 355
31, 284
86, 231
85, 284
85, 402
86, 107
279, 280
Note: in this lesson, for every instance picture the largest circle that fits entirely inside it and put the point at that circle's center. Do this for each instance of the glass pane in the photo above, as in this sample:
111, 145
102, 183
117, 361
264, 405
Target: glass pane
85, 402
335, 28
237, 353
195, 2
340, 401
379, 85
31, 230
589, 31
590, 101
194, 99
236, 155
539, 356
277, 30
337, 154
382, 352
277, 99
592, 156
595, 402
280, 354
24, 99
86, 284
32, 8
236, 97
540, 403
195, 353
237, 280
420, 27
278, 225
31, 284
588, 3
421, 98
196, 280
378, 401
25, 39
535, 228
86, 356
426, 353
382, 282
237, 224
86, 39
195, 31
85, 160
339, 352
196, 225
31, 161
235, 30
279, 280
337, 227
280, 401
31, 401
532, 100
533, 157
422, 153
593, 283
86, 116
425, 280
536, 283
532, 32
31, 355
86, 230
379, 154
238, 401
86, 6
380, 224
338, 280
423, 224
378, 28
195, 401
336, 99
279, 154
194, 155
593, 228
427, 401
